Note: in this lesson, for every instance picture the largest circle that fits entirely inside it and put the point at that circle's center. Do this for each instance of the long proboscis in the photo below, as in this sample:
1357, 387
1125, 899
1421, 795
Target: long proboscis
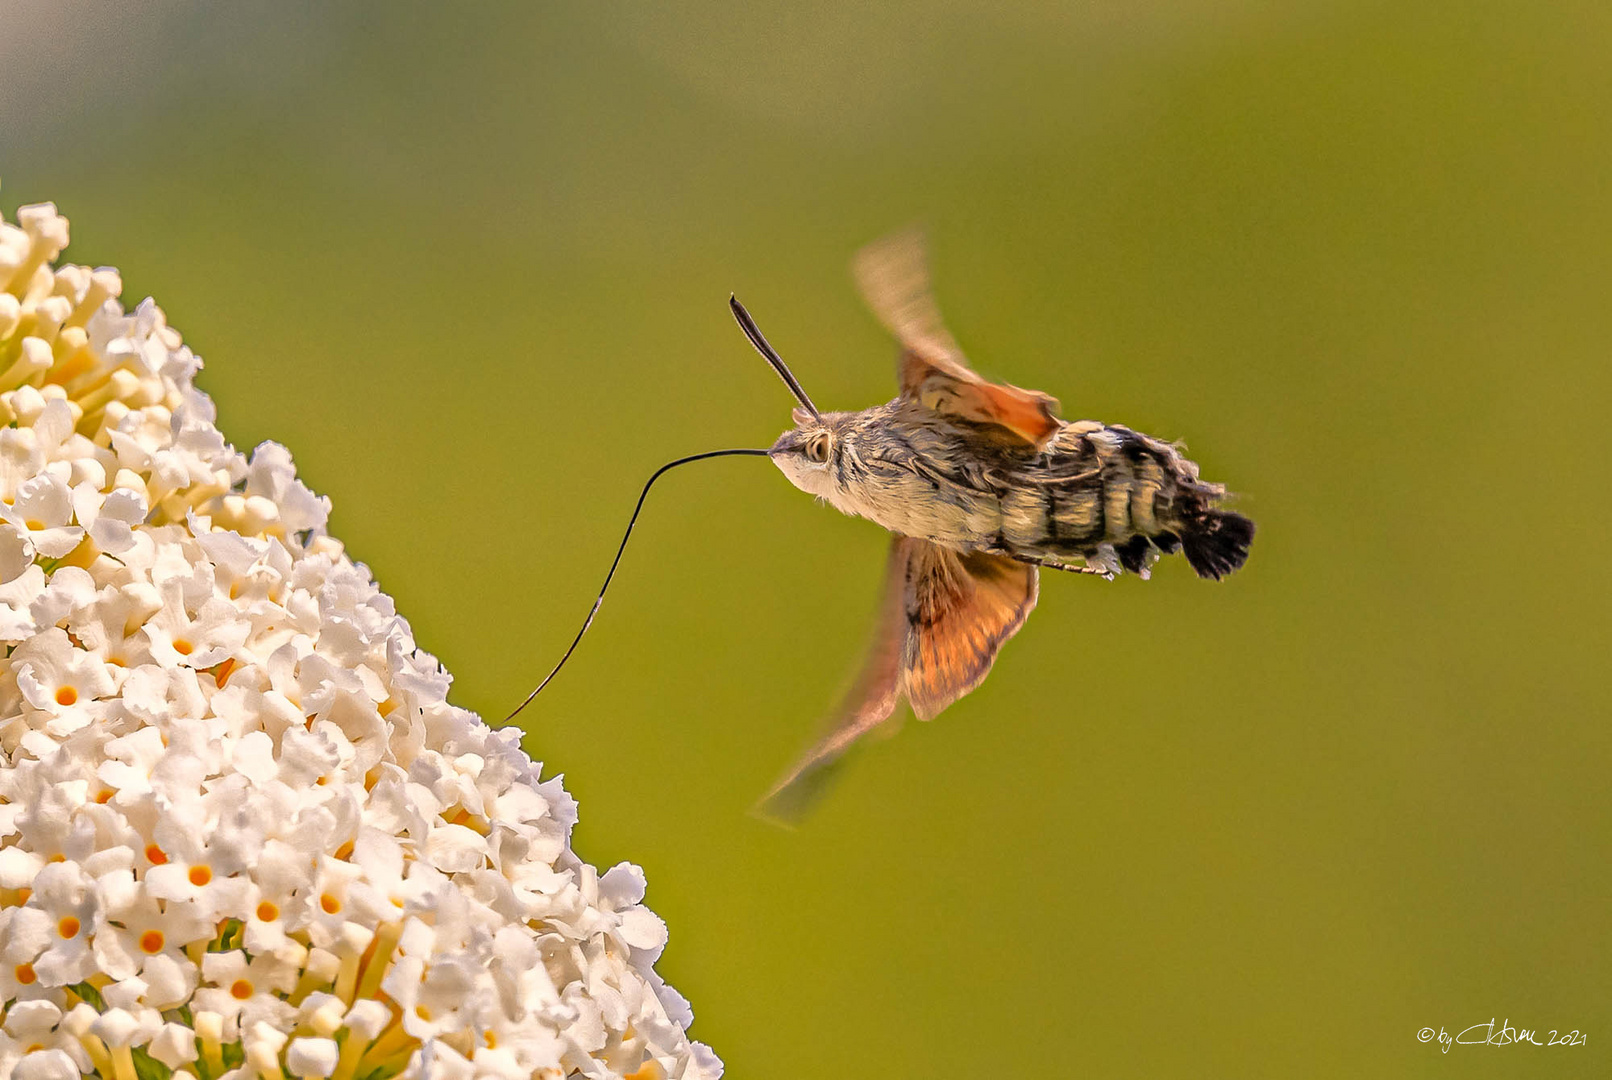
753, 332
599, 600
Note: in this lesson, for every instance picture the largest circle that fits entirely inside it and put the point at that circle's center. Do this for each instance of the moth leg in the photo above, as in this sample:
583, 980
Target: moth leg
1098, 570
1049, 564
1066, 568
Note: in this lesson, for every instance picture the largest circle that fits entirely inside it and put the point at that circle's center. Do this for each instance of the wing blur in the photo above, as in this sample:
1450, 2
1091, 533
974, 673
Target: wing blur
869, 703
943, 619
893, 276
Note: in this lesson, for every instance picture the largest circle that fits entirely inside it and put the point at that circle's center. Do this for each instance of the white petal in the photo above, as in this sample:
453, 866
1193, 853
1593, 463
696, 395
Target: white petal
174, 1045
622, 885
311, 1057
643, 929
454, 848
46, 1065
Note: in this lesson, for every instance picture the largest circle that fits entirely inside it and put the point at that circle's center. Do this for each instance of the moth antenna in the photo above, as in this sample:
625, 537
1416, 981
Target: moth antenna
751, 331
599, 600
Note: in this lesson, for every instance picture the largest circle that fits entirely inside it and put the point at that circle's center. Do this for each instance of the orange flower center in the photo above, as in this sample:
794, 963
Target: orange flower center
200, 875
68, 927
183, 647
66, 696
240, 989
154, 855
267, 911
151, 942
330, 904
24, 974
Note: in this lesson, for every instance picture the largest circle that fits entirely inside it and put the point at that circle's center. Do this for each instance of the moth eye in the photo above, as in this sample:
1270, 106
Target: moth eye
817, 448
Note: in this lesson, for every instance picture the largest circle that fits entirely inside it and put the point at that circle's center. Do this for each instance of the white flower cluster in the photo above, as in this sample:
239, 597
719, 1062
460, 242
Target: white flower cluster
242, 832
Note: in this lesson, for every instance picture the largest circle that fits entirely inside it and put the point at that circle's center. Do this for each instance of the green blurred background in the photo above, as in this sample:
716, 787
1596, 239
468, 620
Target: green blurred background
471, 264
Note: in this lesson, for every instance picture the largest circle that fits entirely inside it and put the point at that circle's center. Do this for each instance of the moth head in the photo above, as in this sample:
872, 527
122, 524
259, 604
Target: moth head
806, 452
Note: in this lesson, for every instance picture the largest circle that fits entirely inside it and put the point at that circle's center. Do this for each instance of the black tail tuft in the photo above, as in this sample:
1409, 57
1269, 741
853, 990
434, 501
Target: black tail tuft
1217, 542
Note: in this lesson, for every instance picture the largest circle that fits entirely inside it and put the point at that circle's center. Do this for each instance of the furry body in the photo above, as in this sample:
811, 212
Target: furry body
1106, 495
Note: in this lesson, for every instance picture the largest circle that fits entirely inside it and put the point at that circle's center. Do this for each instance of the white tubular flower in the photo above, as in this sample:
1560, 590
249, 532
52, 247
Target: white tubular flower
42, 515
58, 680
242, 831
60, 916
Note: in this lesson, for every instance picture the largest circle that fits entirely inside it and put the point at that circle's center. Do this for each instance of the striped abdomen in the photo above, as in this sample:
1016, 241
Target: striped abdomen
1109, 494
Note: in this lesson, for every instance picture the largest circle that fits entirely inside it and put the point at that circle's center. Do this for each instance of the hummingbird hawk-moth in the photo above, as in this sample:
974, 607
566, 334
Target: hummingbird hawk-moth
981, 486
